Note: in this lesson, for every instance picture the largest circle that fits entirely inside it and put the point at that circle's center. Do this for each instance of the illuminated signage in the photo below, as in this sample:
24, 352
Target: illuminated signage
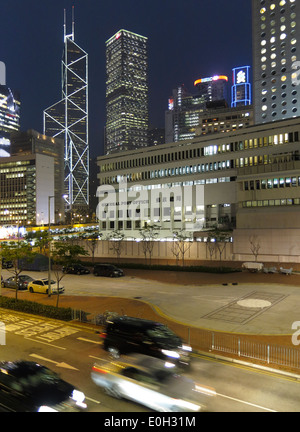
210, 79
241, 88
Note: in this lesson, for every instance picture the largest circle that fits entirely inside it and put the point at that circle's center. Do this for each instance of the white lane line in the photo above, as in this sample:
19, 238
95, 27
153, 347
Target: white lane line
45, 343
93, 400
246, 403
88, 340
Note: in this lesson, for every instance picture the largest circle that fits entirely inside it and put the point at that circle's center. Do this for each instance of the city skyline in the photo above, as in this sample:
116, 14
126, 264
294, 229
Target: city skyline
187, 40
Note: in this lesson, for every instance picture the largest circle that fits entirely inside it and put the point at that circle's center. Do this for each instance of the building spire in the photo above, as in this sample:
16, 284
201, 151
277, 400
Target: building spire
71, 35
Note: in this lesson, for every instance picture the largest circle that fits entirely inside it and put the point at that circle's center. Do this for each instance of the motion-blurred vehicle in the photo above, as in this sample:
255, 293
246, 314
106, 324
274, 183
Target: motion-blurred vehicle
29, 387
76, 269
125, 335
42, 286
108, 270
151, 382
23, 281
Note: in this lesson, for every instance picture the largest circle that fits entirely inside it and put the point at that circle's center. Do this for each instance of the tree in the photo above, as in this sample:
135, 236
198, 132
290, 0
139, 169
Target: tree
116, 239
149, 234
254, 245
19, 253
91, 236
64, 254
182, 243
219, 238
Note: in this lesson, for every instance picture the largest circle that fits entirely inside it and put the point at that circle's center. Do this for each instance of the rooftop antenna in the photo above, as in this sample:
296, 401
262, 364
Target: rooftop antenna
71, 36
73, 23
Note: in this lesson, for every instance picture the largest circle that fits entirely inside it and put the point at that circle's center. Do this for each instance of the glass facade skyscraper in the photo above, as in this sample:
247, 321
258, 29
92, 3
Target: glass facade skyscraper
68, 120
126, 92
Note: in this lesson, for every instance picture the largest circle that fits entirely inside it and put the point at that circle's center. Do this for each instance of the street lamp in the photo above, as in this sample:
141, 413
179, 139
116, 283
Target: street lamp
49, 266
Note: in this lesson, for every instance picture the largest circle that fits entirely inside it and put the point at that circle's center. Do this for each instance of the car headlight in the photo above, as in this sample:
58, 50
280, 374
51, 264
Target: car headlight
79, 397
186, 348
169, 353
45, 408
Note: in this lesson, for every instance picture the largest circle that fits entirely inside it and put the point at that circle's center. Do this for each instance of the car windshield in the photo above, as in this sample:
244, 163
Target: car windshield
46, 282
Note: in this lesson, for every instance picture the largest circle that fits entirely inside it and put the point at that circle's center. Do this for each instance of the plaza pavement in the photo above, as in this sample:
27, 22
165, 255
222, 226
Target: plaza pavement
257, 305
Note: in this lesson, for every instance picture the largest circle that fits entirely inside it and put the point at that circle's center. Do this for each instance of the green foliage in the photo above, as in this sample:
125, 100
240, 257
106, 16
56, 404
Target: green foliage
65, 253
64, 314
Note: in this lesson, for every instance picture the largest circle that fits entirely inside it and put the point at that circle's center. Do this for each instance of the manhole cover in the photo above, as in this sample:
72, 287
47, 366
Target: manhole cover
254, 303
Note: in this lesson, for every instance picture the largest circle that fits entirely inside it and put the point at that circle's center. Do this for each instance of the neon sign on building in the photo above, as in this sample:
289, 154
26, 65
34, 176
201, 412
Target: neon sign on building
241, 88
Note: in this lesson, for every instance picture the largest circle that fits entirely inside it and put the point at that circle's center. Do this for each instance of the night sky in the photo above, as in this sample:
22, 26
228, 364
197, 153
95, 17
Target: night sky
187, 40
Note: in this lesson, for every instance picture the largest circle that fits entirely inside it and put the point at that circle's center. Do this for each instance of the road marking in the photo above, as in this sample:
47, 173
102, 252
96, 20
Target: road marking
97, 358
62, 364
246, 403
93, 400
88, 340
45, 343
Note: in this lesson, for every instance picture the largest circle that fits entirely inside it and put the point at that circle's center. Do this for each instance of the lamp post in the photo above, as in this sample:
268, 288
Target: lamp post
49, 266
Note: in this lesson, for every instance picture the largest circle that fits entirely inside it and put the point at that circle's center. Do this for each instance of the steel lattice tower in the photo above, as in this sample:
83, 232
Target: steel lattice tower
68, 119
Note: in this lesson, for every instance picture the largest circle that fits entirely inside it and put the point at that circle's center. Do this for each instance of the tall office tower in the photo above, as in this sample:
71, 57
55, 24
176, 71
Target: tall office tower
183, 114
68, 120
276, 74
126, 92
9, 117
212, 88
241, 87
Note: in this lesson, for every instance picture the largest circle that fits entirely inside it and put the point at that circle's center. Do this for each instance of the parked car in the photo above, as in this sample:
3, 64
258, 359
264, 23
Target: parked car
6, 264
29, 387
151, 382
125, 335
76, 269
23, 281
108, 270
41, 286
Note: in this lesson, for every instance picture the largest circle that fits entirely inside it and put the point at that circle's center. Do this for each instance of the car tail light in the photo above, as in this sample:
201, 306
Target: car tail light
102, 335
99, 370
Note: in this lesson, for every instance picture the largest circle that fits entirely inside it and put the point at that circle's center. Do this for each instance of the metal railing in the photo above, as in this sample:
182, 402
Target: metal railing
227, 345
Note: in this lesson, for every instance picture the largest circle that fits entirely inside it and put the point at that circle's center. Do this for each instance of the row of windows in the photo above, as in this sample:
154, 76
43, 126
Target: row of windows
271, 202
273, 183
210, 150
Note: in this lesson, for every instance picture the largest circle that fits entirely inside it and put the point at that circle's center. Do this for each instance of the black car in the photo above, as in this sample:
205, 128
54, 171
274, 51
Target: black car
23, 281
29, 387
108, 270
76, 269
6, 264
124, 335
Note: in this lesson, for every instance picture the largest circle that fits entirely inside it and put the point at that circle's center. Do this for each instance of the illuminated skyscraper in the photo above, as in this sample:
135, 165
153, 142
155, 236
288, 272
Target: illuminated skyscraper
9, 117
126, 92
276, 66
68, 120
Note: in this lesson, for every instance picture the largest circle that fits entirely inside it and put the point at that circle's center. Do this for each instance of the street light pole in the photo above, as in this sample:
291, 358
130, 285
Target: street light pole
49, 264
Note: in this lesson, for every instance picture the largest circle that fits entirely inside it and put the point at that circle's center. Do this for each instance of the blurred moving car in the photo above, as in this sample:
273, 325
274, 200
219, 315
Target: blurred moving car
41, 286
125, 334
108, 270
29, 387
23, 281
76, 269
151, 382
